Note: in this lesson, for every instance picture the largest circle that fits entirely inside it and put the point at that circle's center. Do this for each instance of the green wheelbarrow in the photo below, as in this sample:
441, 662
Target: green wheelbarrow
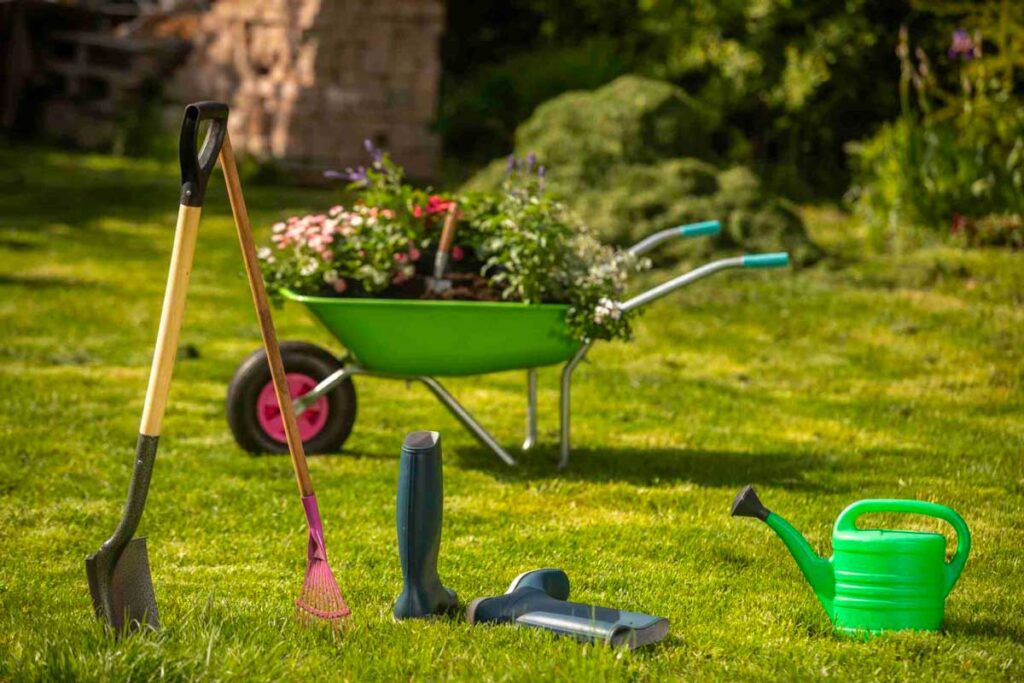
418, 340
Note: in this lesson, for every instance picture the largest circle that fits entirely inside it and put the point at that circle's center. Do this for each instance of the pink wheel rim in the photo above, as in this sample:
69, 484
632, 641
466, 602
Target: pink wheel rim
311, 422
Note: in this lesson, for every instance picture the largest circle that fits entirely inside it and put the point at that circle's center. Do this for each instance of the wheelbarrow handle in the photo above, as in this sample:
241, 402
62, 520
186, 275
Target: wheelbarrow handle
748, 261
688, 230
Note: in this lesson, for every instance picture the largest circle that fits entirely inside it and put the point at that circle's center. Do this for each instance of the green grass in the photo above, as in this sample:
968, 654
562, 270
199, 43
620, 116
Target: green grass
896, 377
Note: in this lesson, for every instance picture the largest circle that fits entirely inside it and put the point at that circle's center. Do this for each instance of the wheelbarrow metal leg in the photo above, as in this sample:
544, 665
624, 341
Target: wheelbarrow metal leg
467, 420
531, 409
565, 406
326, 385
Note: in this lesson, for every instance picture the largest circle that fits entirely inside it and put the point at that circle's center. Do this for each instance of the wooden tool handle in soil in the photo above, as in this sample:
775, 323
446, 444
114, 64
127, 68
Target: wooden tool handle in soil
448, 231
259, 298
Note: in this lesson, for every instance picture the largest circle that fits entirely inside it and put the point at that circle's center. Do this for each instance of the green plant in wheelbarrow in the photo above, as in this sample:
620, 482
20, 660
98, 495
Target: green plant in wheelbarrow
530, 287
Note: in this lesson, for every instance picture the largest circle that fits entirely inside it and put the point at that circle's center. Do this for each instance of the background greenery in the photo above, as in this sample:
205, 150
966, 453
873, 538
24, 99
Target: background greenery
816, 100
896, 376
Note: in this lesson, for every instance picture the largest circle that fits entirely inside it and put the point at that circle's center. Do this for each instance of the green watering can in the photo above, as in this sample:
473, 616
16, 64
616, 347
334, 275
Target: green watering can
877, 579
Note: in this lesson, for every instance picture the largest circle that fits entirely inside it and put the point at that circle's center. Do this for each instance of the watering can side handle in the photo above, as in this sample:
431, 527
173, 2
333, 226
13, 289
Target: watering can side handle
848, 521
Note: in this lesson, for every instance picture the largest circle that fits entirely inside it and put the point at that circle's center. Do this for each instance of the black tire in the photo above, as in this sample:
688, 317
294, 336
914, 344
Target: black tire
253, 374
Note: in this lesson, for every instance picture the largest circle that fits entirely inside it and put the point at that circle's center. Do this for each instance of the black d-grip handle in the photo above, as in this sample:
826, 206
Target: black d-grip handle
197, 166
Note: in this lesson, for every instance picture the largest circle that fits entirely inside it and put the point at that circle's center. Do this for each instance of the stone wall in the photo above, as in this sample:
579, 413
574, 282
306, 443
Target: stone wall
309, 80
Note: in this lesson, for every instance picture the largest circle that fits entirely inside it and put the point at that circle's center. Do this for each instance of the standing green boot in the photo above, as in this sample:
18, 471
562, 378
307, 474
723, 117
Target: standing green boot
418, 515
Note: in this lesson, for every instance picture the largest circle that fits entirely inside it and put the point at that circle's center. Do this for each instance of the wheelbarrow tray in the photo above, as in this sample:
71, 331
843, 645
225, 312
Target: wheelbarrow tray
444, 338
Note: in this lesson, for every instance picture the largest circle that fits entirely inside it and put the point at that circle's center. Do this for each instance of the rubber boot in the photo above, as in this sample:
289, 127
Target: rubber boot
418, 516
539, 599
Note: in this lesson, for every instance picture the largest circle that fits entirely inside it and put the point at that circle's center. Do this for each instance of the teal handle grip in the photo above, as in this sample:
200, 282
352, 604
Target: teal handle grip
776, 260
699, 229
848, 521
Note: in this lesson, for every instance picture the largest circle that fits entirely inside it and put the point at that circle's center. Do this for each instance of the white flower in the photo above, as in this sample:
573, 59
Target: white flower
331, 276
264, 254
309, 267
356, 220
606, 308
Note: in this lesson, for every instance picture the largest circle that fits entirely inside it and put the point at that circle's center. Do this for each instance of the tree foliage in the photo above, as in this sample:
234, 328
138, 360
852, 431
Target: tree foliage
790, 82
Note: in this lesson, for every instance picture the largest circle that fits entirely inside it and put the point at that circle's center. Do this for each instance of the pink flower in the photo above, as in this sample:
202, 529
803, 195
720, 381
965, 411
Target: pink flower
458, 254
401, 257
336, 209
340, 285
327, 254
414, 254
279, 227
403, 275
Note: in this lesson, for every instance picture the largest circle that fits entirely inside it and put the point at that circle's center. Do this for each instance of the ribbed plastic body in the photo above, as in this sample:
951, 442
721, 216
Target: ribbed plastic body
888, 580
877, 579
445, 338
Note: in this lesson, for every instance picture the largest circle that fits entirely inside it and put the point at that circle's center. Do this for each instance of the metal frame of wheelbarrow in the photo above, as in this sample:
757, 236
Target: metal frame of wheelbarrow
486, 438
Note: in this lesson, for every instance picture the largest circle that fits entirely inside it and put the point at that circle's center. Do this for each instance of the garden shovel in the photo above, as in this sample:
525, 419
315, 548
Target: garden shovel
436, 284
119, 577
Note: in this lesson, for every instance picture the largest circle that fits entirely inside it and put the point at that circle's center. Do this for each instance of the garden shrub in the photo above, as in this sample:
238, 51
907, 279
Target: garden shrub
479, 112
625, 158
953, 162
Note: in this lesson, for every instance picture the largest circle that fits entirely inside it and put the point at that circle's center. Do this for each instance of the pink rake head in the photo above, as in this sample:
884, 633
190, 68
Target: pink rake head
321, 599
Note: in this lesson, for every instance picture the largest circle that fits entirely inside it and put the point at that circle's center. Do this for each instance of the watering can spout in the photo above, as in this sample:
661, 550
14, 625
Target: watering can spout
817, 570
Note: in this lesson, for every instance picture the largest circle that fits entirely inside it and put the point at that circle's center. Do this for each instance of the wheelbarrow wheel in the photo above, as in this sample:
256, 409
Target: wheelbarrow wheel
253, 413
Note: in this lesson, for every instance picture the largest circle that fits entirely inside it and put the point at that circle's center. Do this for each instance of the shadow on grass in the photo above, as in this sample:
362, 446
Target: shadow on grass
984, 628
78, 191
45, 282
663, 467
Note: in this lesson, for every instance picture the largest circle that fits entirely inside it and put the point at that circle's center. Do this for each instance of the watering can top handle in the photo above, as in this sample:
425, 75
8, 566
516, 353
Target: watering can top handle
848, 521
196, 165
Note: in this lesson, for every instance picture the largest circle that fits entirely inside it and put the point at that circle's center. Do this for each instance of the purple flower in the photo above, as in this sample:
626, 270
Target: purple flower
964, 46
372, 150
331, 174
511, 165
531, 159
356, 175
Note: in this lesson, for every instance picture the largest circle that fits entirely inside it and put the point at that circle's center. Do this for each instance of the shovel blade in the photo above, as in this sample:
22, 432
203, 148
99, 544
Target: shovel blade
122, 587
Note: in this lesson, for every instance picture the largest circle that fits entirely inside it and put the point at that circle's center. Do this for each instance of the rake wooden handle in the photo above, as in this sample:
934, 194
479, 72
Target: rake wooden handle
259, 299
448, 231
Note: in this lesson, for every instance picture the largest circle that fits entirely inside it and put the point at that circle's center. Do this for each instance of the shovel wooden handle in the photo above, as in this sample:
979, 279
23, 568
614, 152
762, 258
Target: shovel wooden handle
259, 299
170, 320
448, 231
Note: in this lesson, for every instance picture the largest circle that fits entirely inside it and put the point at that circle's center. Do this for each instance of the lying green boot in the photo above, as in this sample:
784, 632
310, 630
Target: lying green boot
418, 512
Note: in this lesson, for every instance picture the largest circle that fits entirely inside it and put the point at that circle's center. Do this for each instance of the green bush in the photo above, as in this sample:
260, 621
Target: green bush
480, 112
787, 83
624, 157
954, 160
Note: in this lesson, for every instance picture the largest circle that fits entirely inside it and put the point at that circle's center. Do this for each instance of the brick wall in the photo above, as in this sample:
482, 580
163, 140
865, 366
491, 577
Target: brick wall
309, 80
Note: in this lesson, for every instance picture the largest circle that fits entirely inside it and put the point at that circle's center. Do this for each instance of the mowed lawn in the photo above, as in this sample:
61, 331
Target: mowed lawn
898, 376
